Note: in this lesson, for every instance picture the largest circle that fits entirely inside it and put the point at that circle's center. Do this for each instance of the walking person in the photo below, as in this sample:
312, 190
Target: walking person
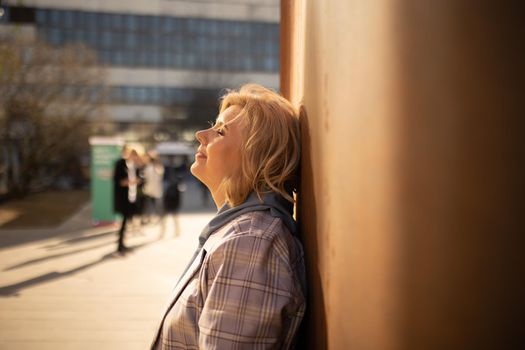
153, 187
125, 181
172, 199
245, 285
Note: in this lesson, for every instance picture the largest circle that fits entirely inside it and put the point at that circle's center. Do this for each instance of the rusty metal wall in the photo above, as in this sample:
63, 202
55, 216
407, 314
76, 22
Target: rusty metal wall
412, 171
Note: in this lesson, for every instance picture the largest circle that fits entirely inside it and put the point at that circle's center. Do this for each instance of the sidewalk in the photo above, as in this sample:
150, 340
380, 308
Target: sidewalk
67, 289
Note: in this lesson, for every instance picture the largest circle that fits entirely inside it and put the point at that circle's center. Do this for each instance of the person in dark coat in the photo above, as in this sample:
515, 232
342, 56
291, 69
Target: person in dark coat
172, 197
125, 181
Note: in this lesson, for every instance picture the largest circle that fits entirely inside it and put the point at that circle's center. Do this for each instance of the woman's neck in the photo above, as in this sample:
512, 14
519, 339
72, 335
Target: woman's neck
219, 198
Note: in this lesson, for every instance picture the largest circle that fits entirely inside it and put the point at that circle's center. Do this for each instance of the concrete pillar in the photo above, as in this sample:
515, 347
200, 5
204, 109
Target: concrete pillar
412, 171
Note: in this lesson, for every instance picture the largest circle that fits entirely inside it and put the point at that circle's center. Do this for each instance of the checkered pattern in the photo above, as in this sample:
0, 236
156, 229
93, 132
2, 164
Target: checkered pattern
247, 294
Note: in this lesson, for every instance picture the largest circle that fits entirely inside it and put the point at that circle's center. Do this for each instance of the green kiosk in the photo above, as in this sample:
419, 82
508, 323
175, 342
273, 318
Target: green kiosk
105, 151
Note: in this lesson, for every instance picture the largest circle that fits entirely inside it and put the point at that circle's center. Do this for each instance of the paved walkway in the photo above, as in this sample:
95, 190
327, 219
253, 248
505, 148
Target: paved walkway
67, 289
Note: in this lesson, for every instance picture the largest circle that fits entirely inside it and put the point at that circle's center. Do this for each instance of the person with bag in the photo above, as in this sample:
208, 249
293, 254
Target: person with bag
125, 187
153, 187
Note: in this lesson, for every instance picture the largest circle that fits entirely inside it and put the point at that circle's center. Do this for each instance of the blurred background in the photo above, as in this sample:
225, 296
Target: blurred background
79, 80
143, 72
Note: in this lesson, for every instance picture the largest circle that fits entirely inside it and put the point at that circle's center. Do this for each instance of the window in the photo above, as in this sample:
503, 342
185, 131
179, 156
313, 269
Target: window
223, 28
133, 94
91, 20
54, 18
143, 24
143, 94
41, 16
148, 59
167, 59
105, 56
127, 58
179, 61
92, 39
156, 95
141, 58
116, 94
275, 63
237, 29
191, 26
167, 25
155, 24
128, 94
184, 95
154, 39
54, 37
131, 22
178, 24
80, 19
268, 64
117, 21
268, 47
67, 36
166, 42
166, 96
246, 63
68, 19
130, 41
180, 43
106, 40
118, 58
258, 63
212, 27
201, 45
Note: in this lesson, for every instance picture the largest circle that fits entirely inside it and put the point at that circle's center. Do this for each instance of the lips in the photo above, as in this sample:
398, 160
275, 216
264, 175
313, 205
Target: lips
200, 155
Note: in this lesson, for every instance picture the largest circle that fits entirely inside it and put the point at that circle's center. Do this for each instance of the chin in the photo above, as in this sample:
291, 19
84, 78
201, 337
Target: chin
196, 170
193, 169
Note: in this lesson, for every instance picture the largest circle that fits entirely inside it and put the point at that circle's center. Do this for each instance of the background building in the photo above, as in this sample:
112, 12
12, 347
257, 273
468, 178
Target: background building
164, 65
166, 61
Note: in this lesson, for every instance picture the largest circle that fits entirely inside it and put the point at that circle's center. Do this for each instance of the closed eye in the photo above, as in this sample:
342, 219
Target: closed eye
218, 127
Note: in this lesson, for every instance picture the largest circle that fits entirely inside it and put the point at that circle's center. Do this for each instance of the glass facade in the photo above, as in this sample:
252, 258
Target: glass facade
168, 96
159, 42
165, 42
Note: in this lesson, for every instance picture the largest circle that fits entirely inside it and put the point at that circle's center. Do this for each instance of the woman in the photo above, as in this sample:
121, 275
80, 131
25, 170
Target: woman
244, 288
153, 186
125, 182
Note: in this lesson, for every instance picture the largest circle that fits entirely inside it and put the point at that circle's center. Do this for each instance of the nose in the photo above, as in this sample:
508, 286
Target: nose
201, 136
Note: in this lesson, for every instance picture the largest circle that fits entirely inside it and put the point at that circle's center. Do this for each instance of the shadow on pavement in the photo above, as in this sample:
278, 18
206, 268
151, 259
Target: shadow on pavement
81, 239
13, 290
49, 257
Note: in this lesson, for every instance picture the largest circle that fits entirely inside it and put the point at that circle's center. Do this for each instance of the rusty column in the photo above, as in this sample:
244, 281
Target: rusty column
412, 171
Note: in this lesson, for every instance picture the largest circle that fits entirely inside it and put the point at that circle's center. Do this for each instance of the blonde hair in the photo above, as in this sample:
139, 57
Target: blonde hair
270, 149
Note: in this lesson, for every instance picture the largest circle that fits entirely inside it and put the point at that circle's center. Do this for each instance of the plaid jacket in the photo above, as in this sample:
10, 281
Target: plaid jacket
245, 290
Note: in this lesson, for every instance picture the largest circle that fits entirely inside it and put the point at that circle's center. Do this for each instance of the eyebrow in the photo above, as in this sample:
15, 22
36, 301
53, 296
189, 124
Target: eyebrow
221, 123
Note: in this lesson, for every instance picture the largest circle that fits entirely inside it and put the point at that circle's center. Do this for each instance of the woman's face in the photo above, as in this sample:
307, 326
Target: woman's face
219, 153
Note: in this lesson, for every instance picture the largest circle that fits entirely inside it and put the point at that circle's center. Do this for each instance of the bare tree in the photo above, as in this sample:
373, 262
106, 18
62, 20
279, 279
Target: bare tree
47, 96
